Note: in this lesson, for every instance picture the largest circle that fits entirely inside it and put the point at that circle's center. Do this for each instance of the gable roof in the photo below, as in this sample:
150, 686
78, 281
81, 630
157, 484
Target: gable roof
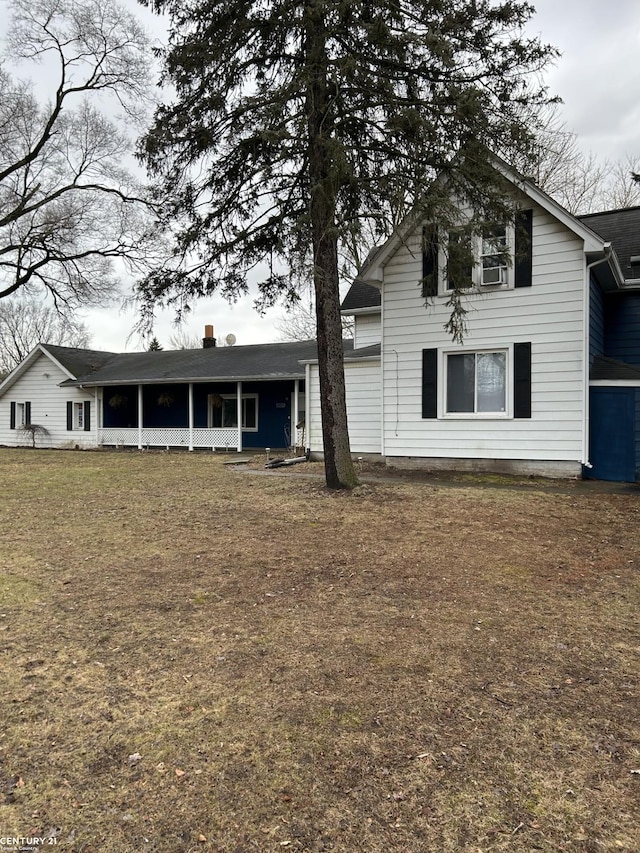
78, 361
595, 246
221, 364
622, 229
70, 360
361, 296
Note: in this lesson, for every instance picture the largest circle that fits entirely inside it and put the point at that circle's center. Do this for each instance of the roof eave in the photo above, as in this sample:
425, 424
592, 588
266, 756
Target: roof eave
372, 309
179, 380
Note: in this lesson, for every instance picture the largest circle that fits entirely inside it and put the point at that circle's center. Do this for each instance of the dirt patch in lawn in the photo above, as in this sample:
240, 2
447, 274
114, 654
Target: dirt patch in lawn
194, 659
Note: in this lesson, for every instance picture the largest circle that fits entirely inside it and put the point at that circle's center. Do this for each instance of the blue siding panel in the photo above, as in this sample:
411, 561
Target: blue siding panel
637, 434
622, 327
613, 434
165, 405
596, 321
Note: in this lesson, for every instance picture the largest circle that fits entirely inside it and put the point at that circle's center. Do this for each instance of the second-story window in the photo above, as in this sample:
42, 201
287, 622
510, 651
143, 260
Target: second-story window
493, 258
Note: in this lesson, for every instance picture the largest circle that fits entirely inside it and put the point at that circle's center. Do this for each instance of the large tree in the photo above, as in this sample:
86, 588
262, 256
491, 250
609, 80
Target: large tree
297, 127
68, 206
27, 322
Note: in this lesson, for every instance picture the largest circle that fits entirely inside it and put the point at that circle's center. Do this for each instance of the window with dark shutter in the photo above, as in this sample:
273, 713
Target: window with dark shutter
69, 415
27, 413
429, 261
523, 260
522, 380
429, 383
87, 416
12, 416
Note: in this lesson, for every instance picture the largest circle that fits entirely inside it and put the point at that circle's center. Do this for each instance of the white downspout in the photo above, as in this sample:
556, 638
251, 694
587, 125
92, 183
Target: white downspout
586, 365
190, 416
140, 412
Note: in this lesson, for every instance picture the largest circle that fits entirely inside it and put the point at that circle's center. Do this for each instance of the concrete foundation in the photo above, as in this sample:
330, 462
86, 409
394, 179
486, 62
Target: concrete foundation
516, 467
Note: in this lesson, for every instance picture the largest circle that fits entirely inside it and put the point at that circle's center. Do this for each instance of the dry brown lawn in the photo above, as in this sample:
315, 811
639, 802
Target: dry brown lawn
195, 658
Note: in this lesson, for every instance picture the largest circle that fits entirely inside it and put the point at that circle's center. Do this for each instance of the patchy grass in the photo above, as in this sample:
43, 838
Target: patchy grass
198, 659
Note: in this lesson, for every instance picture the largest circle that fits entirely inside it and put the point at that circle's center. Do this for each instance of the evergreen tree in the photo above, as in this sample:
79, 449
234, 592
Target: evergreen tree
154, 345
299, 128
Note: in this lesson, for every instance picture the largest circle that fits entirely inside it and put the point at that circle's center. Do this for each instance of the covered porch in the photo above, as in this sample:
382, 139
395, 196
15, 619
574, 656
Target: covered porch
195, 415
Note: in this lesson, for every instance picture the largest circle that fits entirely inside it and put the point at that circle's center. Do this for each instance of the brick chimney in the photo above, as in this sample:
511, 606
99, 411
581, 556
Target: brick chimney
208, 340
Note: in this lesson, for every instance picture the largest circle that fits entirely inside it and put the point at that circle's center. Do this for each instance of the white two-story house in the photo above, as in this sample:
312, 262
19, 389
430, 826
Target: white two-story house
551, 349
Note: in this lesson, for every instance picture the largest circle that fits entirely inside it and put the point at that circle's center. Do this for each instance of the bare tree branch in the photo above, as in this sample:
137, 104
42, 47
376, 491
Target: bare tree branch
68, 205
27, 322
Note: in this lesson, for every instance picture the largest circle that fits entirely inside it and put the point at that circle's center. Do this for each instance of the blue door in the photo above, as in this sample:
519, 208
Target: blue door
612, 451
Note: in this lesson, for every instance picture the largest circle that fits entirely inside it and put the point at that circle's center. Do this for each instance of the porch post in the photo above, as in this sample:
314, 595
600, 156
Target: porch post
296, 412
191, 416
140, 411
98, 418
239, 392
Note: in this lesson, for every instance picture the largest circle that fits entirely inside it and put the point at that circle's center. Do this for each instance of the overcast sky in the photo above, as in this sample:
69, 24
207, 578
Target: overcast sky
597, 76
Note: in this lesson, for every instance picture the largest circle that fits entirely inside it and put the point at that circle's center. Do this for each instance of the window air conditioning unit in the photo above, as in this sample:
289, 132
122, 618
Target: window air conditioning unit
492, 276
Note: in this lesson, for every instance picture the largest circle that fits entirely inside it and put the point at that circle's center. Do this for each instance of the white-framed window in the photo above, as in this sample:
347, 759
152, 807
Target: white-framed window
78, 415
481, 260
223, 411
476, 383
494, 251
20, 414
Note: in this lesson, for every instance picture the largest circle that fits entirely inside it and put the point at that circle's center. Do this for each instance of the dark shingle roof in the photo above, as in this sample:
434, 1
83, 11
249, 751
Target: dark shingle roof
622, 229
364, 352
361, 295
608, 369
79, 361
257, 361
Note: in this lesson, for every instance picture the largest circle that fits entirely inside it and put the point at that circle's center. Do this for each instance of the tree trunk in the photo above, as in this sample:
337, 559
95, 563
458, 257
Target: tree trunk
324, 183
338, 465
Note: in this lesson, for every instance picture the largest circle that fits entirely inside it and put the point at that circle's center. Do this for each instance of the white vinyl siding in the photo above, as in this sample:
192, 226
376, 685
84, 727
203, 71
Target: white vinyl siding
362, 382
367, 330
40, 385
549, 314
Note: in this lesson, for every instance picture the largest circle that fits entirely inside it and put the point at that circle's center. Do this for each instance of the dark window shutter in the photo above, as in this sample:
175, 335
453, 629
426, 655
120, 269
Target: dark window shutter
27, 413
429, 261
69, 415
12, 416
522, 380
523, 255
87, 415
429, 383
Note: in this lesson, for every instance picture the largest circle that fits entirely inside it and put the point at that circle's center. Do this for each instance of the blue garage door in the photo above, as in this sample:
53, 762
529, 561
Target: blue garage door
612, 452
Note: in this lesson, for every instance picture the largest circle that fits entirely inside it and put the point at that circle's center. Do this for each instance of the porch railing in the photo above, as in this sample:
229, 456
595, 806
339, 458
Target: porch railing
224, 438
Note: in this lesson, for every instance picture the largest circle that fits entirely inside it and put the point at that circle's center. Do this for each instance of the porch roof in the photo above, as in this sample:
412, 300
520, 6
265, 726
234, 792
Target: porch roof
611, 370
266, 362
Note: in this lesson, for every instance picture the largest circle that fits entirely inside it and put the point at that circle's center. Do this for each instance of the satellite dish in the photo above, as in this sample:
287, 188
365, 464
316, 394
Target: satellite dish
230, 339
